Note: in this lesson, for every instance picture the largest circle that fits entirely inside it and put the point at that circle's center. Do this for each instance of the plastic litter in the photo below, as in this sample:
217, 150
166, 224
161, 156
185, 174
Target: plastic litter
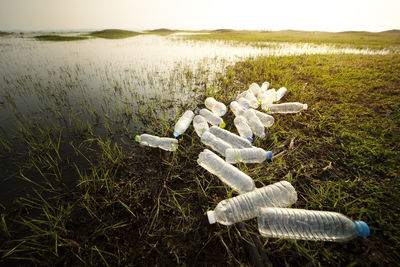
250, 97
200, 125
268, 97
243, 102
228, 174
217, 144
183, 123
254, 122
280, 93
234, 140
309, 225
236, 108
247, 155
212, 118
247, 205
256, 89
217, 107
165, 143
293, 107
266, 120
243, 128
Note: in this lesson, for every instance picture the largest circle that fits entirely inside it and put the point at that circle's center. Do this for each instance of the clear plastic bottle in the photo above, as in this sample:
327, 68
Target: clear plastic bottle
243, 128
228, 174
266, 120
247, 155
256, 89
280, 93
293, 107
234, 140
200, 125
264, 87
215, 143
250, 97
309, 225
268, 97
165, 143
217, 107
246, 206
254, 122
183, 123
243, 102
236, 108
212, 118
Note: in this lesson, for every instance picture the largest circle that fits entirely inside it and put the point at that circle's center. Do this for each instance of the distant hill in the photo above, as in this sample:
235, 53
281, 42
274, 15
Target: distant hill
113, 34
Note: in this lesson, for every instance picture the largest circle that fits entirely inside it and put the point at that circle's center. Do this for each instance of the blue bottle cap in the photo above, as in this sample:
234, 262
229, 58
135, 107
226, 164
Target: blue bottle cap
176, 134
246, 105
223, 112
361, 228
269, 155
250, 139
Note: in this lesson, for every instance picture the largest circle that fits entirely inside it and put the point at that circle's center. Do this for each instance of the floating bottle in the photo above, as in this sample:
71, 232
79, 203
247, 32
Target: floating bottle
254, 122
183, 123
280, 93
266, 120
234, 140
268, 97
217, 107
236, 108
247, 155
165, 143
256, 89
228, 174
200, 125
246, 206
243, 102
212, 118
293, 107
243, 128
217, 144
309, 225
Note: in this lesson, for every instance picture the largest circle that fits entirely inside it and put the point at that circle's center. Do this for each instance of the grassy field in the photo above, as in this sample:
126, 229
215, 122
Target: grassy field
147, 207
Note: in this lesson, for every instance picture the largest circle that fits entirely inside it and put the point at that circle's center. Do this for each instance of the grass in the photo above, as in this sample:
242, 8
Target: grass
59, 38
4, 33
97, 203
113, 34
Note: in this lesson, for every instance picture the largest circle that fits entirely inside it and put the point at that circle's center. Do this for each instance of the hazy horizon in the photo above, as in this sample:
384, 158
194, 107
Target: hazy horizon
308, 15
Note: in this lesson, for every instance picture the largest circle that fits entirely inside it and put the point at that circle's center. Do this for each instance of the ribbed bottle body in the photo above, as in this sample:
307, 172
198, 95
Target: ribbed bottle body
217, 144
266, 119
200, 125
236, 108
211, 117
183, 123
168, 144
165, 143
247, 155
254, 122
228, 174
268, 97
243, 128
234, 140
305, 224
292, 107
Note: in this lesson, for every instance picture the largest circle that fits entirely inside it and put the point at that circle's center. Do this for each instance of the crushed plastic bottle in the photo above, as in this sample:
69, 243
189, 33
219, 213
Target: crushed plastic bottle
243, 102
243, 128
250, 97
236, 108
280, 93
234, 140
268, 97
217, 144
293, 107
183, 123
200, 125
256, 89
309, 225
247, 155
212, 118
165, 143
266, 120
246, 206
254, 122
228, 174
217, 107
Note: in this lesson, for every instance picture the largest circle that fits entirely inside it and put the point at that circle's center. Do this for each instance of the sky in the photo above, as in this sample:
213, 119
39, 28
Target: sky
309, 15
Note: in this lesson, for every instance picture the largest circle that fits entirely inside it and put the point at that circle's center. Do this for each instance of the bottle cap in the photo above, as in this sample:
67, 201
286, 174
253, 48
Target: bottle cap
246, 105
269, 155
222, 125
222, 112
137, 138
176, 134
361, 228
305, 106
250, 139
211, 217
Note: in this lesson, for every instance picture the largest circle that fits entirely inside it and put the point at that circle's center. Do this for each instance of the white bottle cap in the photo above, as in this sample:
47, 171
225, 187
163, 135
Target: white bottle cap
211, 217
305, 106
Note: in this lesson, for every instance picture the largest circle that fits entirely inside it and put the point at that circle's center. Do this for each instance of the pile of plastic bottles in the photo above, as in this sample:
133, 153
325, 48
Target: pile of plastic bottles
270, 203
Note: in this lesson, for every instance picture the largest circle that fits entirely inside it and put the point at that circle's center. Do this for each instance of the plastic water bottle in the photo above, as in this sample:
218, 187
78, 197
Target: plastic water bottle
243, 102
246, 206
234, 140
247, 155
212, 118
254, 122
264, 86
280, 93
217, 107
293, 107
200, 125
256, 89
250, 97
236, 108
169, 144
243, 128
309, 225
215, 143
183, 123
268, 97
266, 120
228, 174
